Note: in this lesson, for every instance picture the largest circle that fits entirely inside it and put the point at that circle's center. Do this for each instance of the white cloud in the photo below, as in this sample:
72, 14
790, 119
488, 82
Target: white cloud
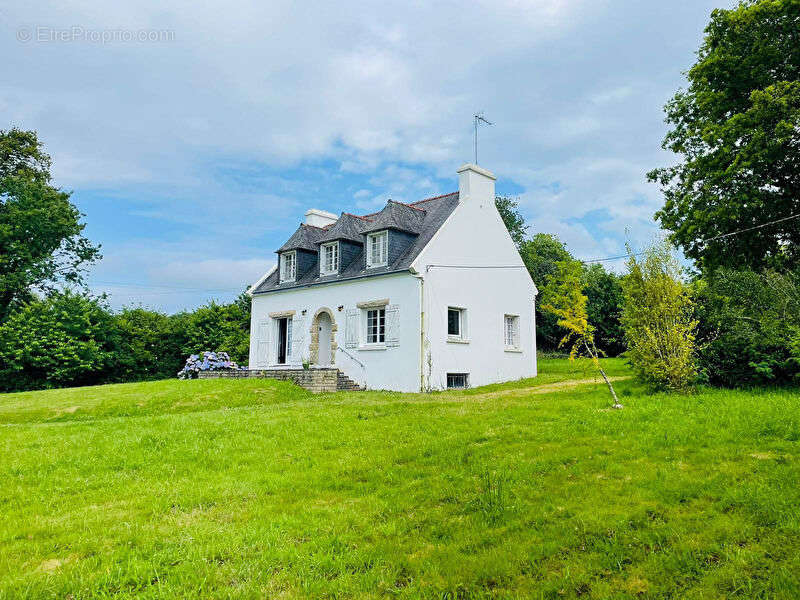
172, 277
377, 93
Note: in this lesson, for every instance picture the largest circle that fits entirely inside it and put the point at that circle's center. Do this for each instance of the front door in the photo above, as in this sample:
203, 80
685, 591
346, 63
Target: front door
325, 331
283, 340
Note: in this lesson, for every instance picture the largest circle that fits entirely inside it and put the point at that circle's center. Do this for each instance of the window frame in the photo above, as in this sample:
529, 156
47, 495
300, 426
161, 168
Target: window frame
452, 377
276, 342
323, 258
514, 337
384, 248
379, 327
461, 336
282, 266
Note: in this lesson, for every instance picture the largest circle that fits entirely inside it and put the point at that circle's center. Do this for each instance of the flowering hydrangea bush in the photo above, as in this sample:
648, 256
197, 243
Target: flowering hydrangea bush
207, 361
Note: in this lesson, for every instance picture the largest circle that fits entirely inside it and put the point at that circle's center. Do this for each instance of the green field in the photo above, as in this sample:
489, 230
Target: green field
257, 489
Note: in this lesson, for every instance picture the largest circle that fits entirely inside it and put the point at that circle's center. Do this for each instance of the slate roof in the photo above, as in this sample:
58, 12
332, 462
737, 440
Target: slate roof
305, 238
403, 217
348, 227
423, 218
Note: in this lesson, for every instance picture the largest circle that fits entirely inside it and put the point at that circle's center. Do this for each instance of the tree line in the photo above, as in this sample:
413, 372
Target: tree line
69, 338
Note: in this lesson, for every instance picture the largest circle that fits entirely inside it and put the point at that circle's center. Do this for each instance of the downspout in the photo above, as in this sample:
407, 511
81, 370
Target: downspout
421, 328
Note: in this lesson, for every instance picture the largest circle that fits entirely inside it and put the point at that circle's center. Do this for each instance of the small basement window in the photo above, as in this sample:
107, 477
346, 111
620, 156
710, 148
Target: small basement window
457, 381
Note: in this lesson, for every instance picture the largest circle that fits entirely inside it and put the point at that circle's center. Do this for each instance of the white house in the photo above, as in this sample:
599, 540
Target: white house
421, 296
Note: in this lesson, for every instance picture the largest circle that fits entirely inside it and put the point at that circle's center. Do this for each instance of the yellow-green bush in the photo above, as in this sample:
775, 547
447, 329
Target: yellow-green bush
657, 320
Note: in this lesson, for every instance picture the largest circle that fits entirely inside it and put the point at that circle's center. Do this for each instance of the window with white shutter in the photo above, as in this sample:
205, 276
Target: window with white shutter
376, 326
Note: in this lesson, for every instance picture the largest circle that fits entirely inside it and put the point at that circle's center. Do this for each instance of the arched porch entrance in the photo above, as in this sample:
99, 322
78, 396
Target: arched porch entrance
323, 338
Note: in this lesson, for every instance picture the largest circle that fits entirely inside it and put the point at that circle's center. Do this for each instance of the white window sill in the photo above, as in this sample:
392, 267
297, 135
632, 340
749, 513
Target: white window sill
376, 266
368, 347
282, 281
457, 340
515, 350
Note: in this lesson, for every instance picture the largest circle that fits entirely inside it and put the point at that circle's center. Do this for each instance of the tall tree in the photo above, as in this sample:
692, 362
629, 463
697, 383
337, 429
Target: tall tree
21, 153
513, 219
604, 294
737, 130
41, 241
541, 255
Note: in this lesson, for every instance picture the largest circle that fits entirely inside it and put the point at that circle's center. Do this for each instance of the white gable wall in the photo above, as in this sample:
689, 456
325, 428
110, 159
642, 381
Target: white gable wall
396, 366
475, 239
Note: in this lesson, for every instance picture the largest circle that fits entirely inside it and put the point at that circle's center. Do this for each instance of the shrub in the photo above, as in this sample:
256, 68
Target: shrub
657, 320
151, 345
218, 327
207, 361
66, 339
749, 329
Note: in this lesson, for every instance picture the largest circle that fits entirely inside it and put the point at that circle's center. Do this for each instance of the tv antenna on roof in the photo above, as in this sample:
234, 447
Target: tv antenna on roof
479, 118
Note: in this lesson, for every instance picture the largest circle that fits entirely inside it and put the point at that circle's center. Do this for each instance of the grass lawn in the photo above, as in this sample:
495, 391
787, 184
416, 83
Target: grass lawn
257, 489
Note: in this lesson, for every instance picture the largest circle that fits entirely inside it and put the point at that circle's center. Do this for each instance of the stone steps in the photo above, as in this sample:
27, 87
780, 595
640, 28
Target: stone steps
345, 384
314, 380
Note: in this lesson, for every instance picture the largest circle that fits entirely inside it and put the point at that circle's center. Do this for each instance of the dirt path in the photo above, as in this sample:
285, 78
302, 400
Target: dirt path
547, 387
449, 398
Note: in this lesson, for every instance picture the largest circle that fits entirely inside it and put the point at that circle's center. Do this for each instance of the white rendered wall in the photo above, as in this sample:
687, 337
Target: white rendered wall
474, 236
393, 368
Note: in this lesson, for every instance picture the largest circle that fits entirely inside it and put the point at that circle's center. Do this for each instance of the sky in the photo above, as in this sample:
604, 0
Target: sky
195, 136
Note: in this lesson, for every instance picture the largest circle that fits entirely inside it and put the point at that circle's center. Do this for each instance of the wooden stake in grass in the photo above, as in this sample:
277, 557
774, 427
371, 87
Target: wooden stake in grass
565, 299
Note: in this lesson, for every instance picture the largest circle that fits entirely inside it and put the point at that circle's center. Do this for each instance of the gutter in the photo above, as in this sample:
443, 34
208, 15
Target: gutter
342, 280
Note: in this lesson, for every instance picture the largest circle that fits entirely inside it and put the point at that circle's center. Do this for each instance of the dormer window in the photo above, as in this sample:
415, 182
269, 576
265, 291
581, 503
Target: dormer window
329, 259
288, 266
377, 249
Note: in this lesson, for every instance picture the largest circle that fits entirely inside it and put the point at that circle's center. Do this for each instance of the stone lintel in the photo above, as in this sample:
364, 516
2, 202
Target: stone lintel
373, 303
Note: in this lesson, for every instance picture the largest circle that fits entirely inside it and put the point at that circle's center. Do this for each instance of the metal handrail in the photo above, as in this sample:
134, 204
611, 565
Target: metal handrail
363, 366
